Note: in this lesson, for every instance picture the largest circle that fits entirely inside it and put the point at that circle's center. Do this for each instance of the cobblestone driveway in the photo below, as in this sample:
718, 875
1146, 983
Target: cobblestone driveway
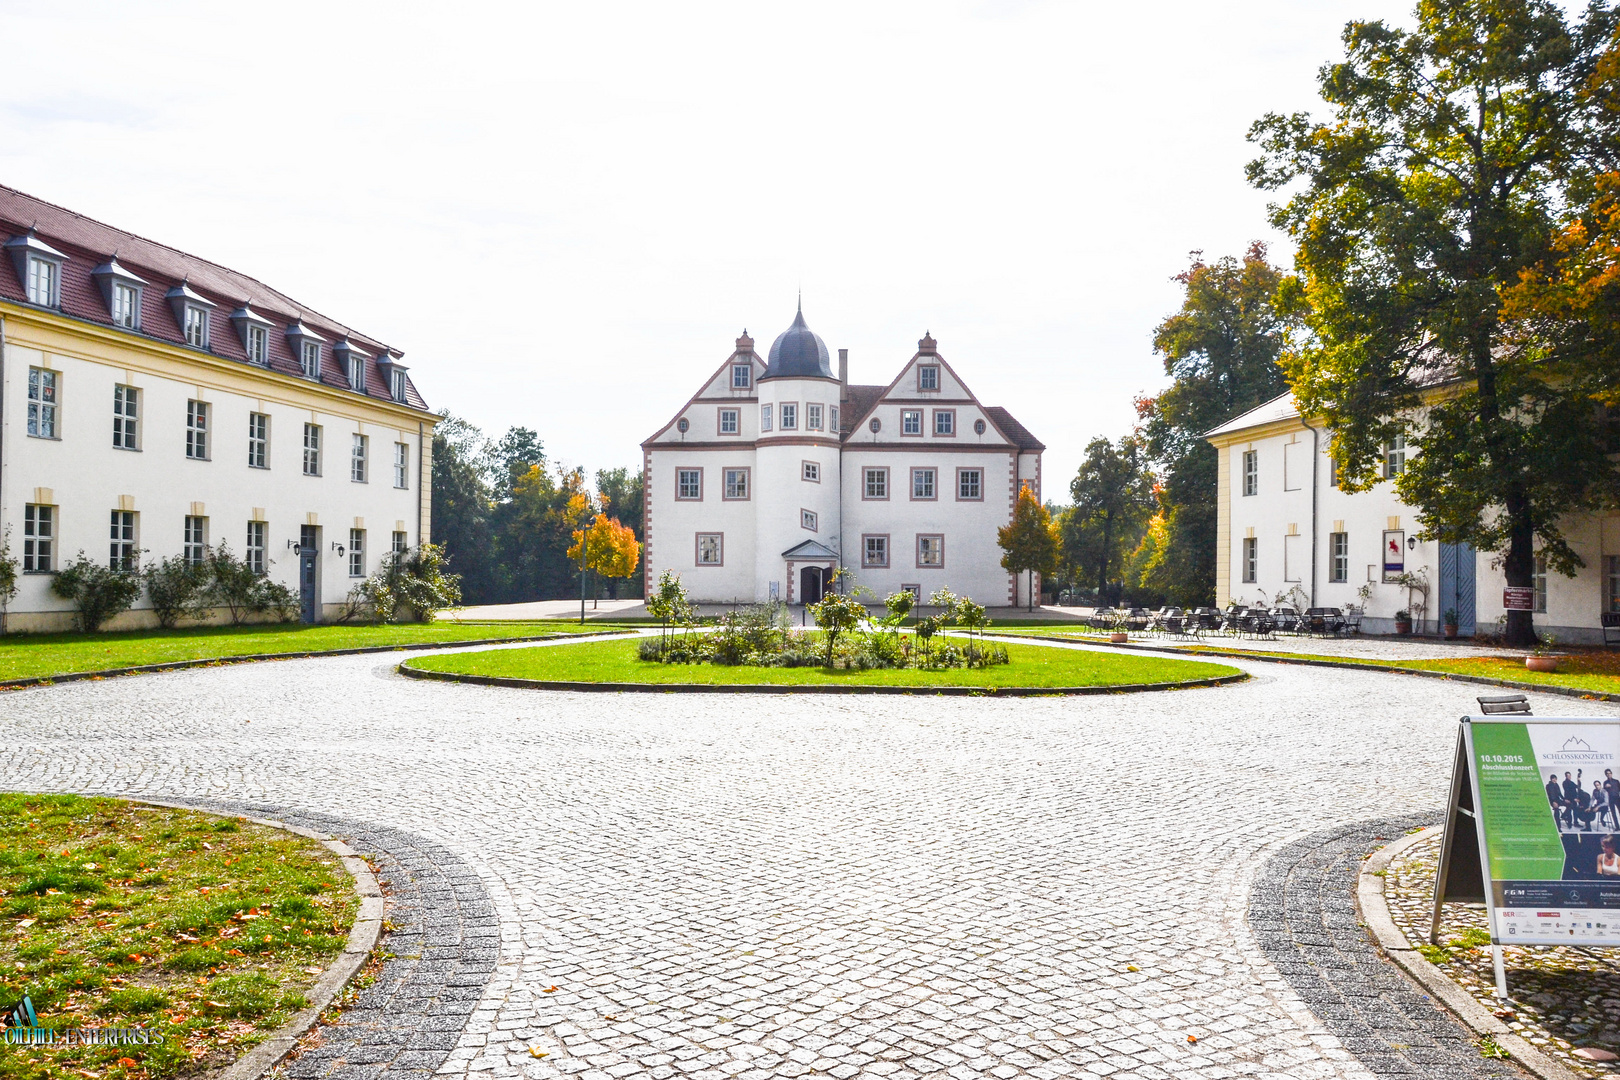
792, 886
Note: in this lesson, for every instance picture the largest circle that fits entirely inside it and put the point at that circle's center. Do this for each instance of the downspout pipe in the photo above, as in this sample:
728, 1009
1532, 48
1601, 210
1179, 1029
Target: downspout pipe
1316, 464
424, 482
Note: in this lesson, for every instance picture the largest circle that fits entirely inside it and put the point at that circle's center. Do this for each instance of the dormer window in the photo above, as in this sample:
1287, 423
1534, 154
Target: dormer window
255, 333
121, 292
928, 377
126, 306
191, 310
742, 376
352, 362
305, 344
40, 267
393, 376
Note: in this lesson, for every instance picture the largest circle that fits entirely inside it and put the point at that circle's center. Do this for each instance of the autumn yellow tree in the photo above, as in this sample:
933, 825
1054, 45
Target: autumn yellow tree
1030, 540
607, 548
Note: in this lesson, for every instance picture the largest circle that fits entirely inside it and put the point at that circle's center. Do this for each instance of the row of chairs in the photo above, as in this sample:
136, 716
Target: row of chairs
1256, 622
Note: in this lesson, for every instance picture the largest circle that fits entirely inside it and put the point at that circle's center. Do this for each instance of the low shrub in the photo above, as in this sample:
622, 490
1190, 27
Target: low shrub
178, 589
409, 586
236, 586
98, 592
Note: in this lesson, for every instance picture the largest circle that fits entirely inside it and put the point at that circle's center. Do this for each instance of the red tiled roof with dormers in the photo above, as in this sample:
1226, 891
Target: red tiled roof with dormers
88, 244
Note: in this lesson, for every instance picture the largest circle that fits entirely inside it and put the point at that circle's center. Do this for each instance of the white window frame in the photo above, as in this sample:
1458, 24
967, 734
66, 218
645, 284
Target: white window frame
730, 422
312, 449
1251, 560
944, 423
742, 376
911, 421
44, 401
809, 519
44, 284
39, 538
963, 476
832, 419
126, 417
357, 458
1395, 457
881, 543
692, 492
812, 416
357, 553
258, 345
810, 472
400, 543
194, 540
1251, 472
790, 415
402, 465
197, 430
878, 491
123, 539
1338, 557
310, 362
255, 557
198, 333
764, 418
258, 440
927, 377
126, 305
716, 542
735, 484
934, 560
397, 389
924, 484
1538, 583
357, 374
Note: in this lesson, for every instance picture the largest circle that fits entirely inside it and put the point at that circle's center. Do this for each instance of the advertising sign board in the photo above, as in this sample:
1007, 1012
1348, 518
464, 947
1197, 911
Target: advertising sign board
1394, 553
1518, 599
1544, 796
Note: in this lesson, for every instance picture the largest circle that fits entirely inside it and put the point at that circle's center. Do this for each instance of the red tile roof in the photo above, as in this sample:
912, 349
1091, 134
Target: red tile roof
88, 244
1011, 428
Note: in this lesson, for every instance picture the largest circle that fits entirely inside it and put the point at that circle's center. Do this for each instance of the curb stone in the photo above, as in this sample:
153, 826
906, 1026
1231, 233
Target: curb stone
1394, 944
363, 936
442, 942
249, 658
1539, 688
780, 688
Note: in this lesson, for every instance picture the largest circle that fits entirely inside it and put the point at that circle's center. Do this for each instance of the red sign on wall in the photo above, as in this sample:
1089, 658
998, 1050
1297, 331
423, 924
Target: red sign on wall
1517, 599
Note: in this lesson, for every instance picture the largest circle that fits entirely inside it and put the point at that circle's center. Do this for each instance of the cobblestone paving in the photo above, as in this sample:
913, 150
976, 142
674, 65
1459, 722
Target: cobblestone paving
796, 886
442, 939
1303, 914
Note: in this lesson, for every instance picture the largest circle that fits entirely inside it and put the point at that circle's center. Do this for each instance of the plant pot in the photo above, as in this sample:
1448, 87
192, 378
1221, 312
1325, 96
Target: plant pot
1450, 632
1119, 637
1403, 627
1546, 664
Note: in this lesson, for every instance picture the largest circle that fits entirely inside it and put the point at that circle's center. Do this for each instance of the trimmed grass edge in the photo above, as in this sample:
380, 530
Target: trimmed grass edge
1479, 680
300, 654
404, 668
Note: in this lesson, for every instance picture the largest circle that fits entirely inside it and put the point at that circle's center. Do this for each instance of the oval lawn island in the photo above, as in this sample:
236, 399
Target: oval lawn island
617, 666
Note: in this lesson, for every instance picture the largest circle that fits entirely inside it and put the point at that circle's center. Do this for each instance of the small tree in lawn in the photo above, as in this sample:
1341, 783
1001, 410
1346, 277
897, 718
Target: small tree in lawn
668, 604
971, 617
1030, 541
838, 614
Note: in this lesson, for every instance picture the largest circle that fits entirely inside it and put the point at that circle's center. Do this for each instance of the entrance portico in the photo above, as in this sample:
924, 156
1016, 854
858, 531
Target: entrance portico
810, 567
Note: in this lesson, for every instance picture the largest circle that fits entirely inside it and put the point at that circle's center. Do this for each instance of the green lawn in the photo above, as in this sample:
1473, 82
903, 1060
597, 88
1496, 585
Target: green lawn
35, 656
1598, 672
616, 661
208, 930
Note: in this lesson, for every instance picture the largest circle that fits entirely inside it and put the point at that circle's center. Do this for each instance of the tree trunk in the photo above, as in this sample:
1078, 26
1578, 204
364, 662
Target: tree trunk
1102, 564
1519, 566
1031, 597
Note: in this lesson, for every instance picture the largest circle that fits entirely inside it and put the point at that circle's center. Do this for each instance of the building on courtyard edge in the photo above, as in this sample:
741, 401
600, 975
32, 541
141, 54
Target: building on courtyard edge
156, 404
777, 472
1286, 532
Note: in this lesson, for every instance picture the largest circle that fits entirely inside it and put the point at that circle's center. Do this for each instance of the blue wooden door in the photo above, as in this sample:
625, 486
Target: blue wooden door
307, 550
1457, 565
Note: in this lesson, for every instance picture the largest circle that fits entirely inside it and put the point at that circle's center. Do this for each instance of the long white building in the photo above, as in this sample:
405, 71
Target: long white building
1285, 529
153, 403
777, 471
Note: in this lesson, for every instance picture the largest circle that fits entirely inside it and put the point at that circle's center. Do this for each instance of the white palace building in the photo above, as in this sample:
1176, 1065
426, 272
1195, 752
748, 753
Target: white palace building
778, 471
154, 404
1286, 530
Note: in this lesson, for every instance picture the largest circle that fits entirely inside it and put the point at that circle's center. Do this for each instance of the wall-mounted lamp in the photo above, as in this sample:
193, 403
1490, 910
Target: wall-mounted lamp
1411, 543
292, 545
337, 547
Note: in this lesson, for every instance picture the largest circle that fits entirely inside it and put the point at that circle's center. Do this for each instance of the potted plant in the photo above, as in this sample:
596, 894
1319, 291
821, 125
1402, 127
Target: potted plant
1450, 623
1119, 637
1542, 658
1403, 621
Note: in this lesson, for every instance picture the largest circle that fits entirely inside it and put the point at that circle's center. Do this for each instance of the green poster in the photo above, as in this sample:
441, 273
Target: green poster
1521, 834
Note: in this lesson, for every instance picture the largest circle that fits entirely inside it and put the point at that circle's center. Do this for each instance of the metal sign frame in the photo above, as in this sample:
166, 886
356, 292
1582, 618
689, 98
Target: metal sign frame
1464, 871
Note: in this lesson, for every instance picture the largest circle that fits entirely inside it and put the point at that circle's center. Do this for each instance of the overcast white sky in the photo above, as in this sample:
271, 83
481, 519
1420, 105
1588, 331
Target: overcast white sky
565, 213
